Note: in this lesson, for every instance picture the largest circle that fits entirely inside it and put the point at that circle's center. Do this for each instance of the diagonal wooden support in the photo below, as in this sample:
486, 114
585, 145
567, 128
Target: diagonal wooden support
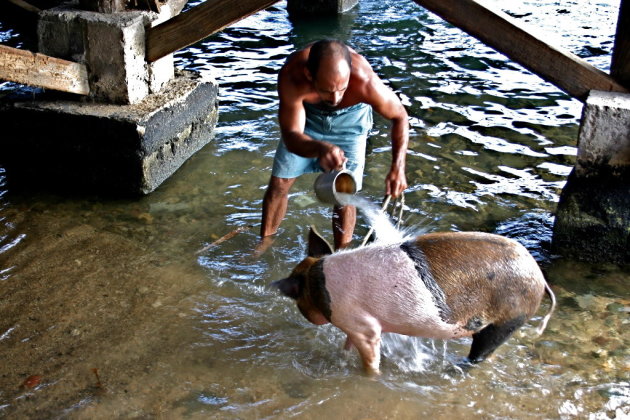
26, 6
33, 69
198, 23
497, 30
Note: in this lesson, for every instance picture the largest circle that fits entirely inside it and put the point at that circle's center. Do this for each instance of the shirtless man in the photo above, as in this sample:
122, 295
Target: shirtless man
327, 92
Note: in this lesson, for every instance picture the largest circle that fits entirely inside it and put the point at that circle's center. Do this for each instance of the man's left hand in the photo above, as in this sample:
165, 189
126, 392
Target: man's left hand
395, 182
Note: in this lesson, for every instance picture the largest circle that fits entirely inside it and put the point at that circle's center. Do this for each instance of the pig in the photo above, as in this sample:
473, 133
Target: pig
438, 285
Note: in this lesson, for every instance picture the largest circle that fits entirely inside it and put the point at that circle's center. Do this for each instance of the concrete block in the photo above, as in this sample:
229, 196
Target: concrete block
162, 70
593, 220
160, 73
301, 8
112, 46
63, 145
115, 58
604, 139
104, 6
61, 34
593, 216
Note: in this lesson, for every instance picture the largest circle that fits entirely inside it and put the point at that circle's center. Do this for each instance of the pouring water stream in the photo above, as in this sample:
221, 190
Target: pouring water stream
378, 219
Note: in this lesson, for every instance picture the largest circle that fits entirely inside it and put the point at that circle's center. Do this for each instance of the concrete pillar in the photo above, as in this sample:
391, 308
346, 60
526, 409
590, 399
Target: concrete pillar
301, 8
141, 122
112, 46
620, 63
63, 145
593, 216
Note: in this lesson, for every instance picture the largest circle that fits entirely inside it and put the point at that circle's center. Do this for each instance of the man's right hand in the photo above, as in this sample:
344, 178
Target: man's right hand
331, 157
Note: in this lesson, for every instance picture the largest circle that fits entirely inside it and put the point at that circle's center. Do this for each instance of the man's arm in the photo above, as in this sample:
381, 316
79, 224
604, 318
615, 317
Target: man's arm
385, 102
292, 118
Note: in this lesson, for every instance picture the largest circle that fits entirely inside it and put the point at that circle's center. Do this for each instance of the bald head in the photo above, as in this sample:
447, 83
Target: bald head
333, 54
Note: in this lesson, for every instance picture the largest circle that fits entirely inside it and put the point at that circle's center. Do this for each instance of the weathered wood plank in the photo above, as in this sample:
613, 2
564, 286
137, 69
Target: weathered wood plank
620, 66
26, 6
28, 68
198, 23
561, 68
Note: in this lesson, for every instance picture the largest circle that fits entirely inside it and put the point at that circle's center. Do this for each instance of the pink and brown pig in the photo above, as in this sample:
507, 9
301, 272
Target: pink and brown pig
437, 285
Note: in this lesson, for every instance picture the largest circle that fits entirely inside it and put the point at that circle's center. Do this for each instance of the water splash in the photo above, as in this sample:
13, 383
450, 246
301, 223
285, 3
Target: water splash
379, 220
408, 354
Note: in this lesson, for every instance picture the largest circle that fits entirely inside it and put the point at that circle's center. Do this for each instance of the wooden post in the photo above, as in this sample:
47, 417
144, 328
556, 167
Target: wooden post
561, 68
198, 23
620, 66
41, 70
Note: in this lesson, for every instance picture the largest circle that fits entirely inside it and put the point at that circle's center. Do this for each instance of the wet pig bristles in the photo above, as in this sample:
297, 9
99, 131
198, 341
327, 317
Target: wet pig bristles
437, 285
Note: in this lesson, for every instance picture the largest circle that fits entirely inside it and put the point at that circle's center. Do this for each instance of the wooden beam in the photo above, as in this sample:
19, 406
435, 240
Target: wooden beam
561, 68
198, 23
620, 66
28, 68
26, 6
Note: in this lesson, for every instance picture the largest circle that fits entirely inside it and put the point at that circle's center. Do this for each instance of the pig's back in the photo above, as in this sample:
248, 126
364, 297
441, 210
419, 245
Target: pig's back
382, 282
483, 275
439, 285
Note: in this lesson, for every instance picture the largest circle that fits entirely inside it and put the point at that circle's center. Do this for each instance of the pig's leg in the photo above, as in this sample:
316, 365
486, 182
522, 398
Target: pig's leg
492, 336
348, 344
369, 347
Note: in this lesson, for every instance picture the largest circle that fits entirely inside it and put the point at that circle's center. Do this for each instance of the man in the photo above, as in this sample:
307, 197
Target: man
327, 92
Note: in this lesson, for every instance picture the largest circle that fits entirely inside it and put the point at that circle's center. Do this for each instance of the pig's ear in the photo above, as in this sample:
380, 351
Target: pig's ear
317, 246
289, 287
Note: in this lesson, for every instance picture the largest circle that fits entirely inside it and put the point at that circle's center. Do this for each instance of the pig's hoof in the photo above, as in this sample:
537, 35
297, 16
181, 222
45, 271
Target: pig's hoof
348, 344
462, 366
371, 373
471, 362
371, 370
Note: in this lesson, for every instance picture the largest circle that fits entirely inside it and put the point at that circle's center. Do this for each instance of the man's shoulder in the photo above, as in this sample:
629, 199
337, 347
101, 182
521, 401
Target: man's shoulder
361, 68
297, 57
292, 72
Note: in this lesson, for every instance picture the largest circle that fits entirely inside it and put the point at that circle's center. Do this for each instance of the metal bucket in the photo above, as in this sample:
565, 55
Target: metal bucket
329, 184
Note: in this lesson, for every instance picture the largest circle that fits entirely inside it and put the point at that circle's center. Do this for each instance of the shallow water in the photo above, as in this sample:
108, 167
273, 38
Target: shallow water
181, 328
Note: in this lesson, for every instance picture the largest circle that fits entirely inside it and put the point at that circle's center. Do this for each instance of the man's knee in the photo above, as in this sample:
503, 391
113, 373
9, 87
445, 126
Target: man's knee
279, 186
347, 209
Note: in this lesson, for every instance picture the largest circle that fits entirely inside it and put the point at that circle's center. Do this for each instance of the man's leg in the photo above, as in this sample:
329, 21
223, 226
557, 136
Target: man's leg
344, 219
275, 205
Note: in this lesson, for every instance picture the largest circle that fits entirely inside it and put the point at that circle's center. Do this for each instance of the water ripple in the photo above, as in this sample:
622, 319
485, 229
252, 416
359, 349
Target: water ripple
490, 147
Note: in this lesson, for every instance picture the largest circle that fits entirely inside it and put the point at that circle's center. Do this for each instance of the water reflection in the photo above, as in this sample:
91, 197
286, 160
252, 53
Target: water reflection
195, 334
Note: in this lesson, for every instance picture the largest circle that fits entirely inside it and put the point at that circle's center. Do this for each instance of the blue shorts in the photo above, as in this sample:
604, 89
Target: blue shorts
347, 128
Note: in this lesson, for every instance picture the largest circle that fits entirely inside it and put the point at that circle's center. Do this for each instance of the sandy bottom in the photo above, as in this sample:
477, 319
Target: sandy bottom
87, 315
